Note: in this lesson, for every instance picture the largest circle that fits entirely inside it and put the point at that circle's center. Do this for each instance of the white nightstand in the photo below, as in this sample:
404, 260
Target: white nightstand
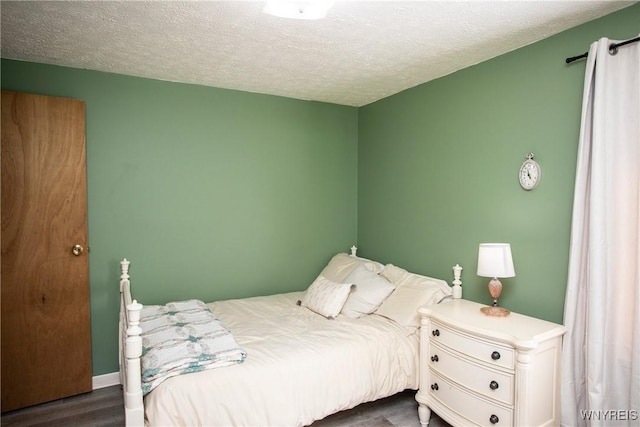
480, 370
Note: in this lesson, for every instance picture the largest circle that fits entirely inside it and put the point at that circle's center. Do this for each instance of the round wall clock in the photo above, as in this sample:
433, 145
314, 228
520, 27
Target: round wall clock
529, 173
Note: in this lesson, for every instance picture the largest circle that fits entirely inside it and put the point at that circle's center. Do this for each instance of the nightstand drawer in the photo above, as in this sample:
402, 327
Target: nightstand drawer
486, 351
492, 383
477, 410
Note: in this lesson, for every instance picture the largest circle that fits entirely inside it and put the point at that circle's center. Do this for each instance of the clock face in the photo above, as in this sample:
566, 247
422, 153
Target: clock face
529, 174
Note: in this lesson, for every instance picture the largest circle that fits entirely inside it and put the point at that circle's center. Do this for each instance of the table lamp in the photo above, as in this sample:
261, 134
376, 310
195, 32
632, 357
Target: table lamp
494, 260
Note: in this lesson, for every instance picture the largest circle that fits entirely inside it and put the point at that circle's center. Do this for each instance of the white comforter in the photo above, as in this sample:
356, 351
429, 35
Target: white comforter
300, 367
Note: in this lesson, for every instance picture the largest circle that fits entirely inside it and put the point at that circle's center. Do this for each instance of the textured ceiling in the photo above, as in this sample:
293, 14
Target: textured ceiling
361, 52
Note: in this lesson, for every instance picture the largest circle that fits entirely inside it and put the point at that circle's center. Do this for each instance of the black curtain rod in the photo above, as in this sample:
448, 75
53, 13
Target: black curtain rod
613, 49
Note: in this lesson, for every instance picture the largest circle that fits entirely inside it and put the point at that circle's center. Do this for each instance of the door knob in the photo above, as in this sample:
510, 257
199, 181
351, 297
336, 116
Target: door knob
77, 250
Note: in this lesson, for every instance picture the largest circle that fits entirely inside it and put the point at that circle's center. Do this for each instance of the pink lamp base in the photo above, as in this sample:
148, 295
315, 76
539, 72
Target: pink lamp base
495, 289
495, 311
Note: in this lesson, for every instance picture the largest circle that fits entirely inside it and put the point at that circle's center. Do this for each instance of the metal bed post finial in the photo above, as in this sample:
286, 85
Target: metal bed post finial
457, 289
124, 273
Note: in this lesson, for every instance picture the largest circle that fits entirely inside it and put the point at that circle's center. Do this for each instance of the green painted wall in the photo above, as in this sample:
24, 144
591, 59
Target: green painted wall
216, 194
438, 165
210, 193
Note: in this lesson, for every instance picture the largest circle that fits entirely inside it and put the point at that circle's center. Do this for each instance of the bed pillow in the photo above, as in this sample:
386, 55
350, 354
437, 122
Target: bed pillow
342, 264
371, 290
326, 297
412, 292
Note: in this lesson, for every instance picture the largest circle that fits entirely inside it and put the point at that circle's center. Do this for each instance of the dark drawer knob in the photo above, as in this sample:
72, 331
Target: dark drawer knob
495, 355
493, 385
434, 358
493, 419
435, 333
434, 386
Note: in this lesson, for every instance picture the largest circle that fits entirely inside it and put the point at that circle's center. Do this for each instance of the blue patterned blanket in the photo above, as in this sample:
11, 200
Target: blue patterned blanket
183, 337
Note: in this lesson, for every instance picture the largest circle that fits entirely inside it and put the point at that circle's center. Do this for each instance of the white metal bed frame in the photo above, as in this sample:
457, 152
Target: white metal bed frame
130, 344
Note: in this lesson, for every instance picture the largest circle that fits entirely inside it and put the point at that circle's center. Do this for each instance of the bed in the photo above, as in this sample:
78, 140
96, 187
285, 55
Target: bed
350, 338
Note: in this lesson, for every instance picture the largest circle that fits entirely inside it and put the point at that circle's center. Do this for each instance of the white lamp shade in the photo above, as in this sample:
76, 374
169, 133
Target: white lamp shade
494, 260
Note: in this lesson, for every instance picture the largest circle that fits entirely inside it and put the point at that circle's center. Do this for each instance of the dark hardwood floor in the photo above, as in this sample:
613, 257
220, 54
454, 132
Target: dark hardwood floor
104, 407
400, 410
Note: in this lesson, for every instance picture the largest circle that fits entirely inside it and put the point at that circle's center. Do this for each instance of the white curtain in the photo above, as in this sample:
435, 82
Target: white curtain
601, 354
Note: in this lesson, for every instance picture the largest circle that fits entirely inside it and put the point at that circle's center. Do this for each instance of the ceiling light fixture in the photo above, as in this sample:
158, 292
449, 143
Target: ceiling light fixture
298, 9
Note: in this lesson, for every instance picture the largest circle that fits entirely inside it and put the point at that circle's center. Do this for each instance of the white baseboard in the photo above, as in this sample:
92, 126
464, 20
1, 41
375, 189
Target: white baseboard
106, 380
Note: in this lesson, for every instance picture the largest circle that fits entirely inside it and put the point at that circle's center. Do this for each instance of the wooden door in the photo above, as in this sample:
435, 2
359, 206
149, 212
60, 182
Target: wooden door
46, 337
